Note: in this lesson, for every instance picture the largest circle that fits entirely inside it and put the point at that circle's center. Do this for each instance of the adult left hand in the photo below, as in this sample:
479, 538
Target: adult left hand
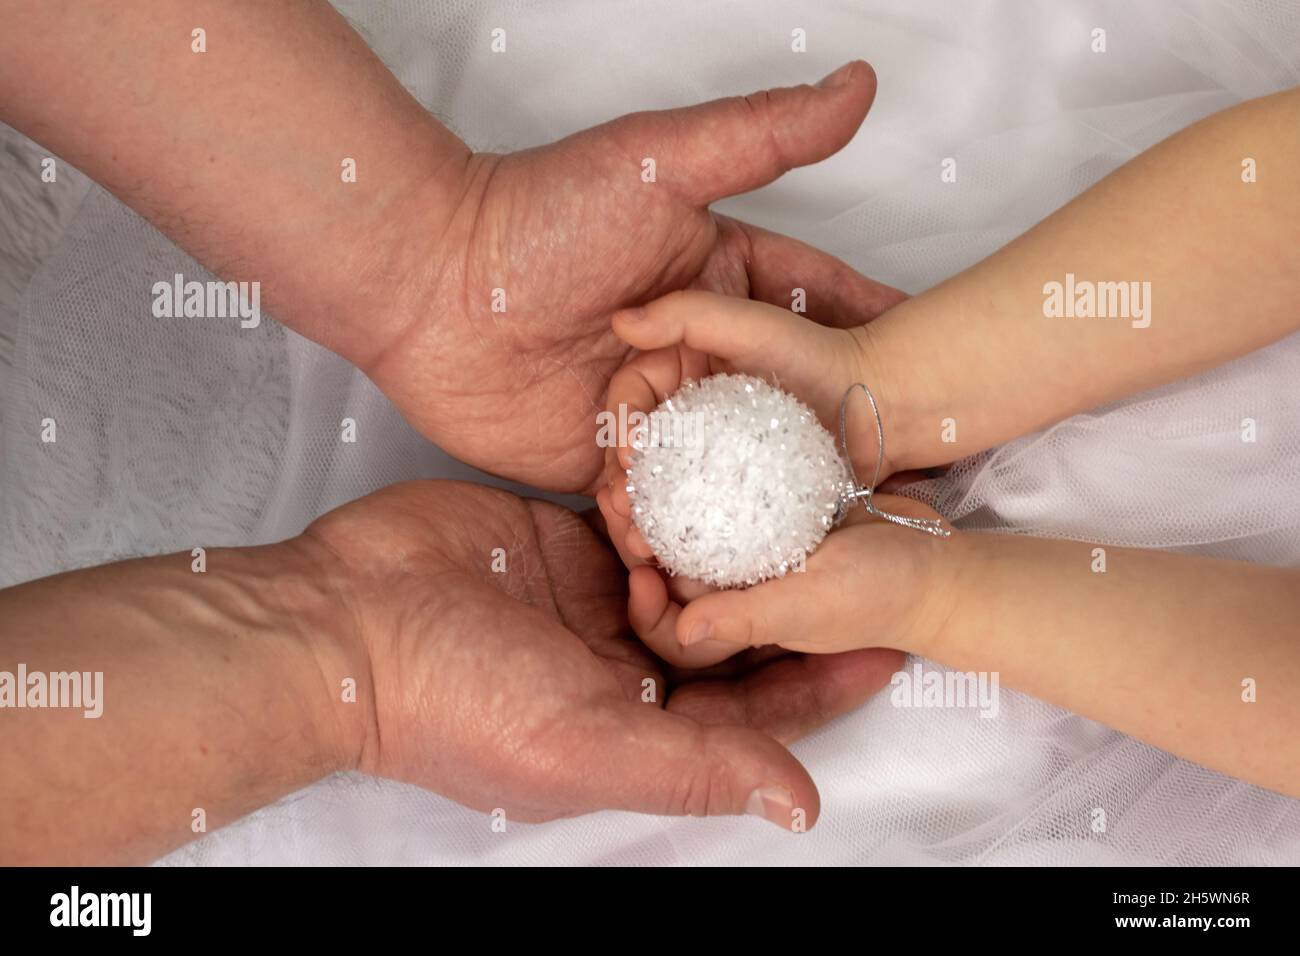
521, 688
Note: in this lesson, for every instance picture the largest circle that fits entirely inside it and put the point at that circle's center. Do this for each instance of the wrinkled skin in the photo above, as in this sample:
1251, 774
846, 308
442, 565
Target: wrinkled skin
571, 233
524, 690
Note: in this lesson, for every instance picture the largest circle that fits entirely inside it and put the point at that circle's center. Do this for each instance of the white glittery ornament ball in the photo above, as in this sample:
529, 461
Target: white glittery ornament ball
734, 481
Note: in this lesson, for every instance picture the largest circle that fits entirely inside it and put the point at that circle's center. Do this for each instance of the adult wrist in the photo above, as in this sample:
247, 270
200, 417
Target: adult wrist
402, 243
308, 589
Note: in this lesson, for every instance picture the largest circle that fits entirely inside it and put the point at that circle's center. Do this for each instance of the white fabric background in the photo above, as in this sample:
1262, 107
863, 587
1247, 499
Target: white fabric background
175, 434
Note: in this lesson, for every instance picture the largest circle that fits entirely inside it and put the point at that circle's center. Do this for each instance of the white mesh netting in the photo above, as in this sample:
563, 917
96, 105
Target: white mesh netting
178, 433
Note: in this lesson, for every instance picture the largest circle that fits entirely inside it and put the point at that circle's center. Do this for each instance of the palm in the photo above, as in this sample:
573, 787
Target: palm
567, 243
523, 689
512, 380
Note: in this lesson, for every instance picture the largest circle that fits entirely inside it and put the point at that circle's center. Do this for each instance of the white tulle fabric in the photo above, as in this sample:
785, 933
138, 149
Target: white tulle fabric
173, 434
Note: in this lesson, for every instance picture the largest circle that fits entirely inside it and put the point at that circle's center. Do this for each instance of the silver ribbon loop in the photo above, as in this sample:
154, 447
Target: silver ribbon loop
856, 493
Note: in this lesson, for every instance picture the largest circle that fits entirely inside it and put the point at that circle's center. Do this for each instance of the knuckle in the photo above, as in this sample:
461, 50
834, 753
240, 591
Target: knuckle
762, 107
704, 792
759, 104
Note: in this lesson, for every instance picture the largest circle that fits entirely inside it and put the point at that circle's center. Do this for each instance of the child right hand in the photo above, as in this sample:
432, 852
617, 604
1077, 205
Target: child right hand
870, 584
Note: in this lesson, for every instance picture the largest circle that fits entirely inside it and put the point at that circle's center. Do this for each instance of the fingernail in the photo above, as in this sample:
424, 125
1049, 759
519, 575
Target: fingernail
774, 804
633, 314
837, 79
700, 631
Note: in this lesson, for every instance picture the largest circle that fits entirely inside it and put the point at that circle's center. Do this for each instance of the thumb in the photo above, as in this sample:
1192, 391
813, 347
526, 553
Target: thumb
649, 760
737, 144
786, 611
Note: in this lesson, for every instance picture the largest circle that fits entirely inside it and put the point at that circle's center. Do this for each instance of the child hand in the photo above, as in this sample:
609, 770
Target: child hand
693, 334
870, 584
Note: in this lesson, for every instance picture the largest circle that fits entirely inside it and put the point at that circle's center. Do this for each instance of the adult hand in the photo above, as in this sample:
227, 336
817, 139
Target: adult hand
561, 236
522, 689
373, 230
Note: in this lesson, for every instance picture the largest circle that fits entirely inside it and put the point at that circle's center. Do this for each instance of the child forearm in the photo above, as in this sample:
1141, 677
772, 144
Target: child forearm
1196, 656
1205, 267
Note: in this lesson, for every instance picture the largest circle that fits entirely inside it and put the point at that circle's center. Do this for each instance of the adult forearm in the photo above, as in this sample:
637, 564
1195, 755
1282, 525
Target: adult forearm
1172, 264
198, 697
1196, 656
243, 153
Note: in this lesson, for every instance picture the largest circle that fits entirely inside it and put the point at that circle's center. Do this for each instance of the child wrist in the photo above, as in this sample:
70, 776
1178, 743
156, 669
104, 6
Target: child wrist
946, 595
875, 364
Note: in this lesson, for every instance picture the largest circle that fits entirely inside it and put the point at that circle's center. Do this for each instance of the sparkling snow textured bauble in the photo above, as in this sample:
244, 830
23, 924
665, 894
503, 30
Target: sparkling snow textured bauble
734, 482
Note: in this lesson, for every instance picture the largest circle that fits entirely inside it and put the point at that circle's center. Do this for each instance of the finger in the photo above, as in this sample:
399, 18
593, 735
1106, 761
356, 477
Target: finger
792, 695
748, 660
638, 387
613, 468
753, 336
632, 547
653, 617
620, 498
617, 526
740, 143
636, 757
645, 381
616, 479
637, 544
835, 294
680, 588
